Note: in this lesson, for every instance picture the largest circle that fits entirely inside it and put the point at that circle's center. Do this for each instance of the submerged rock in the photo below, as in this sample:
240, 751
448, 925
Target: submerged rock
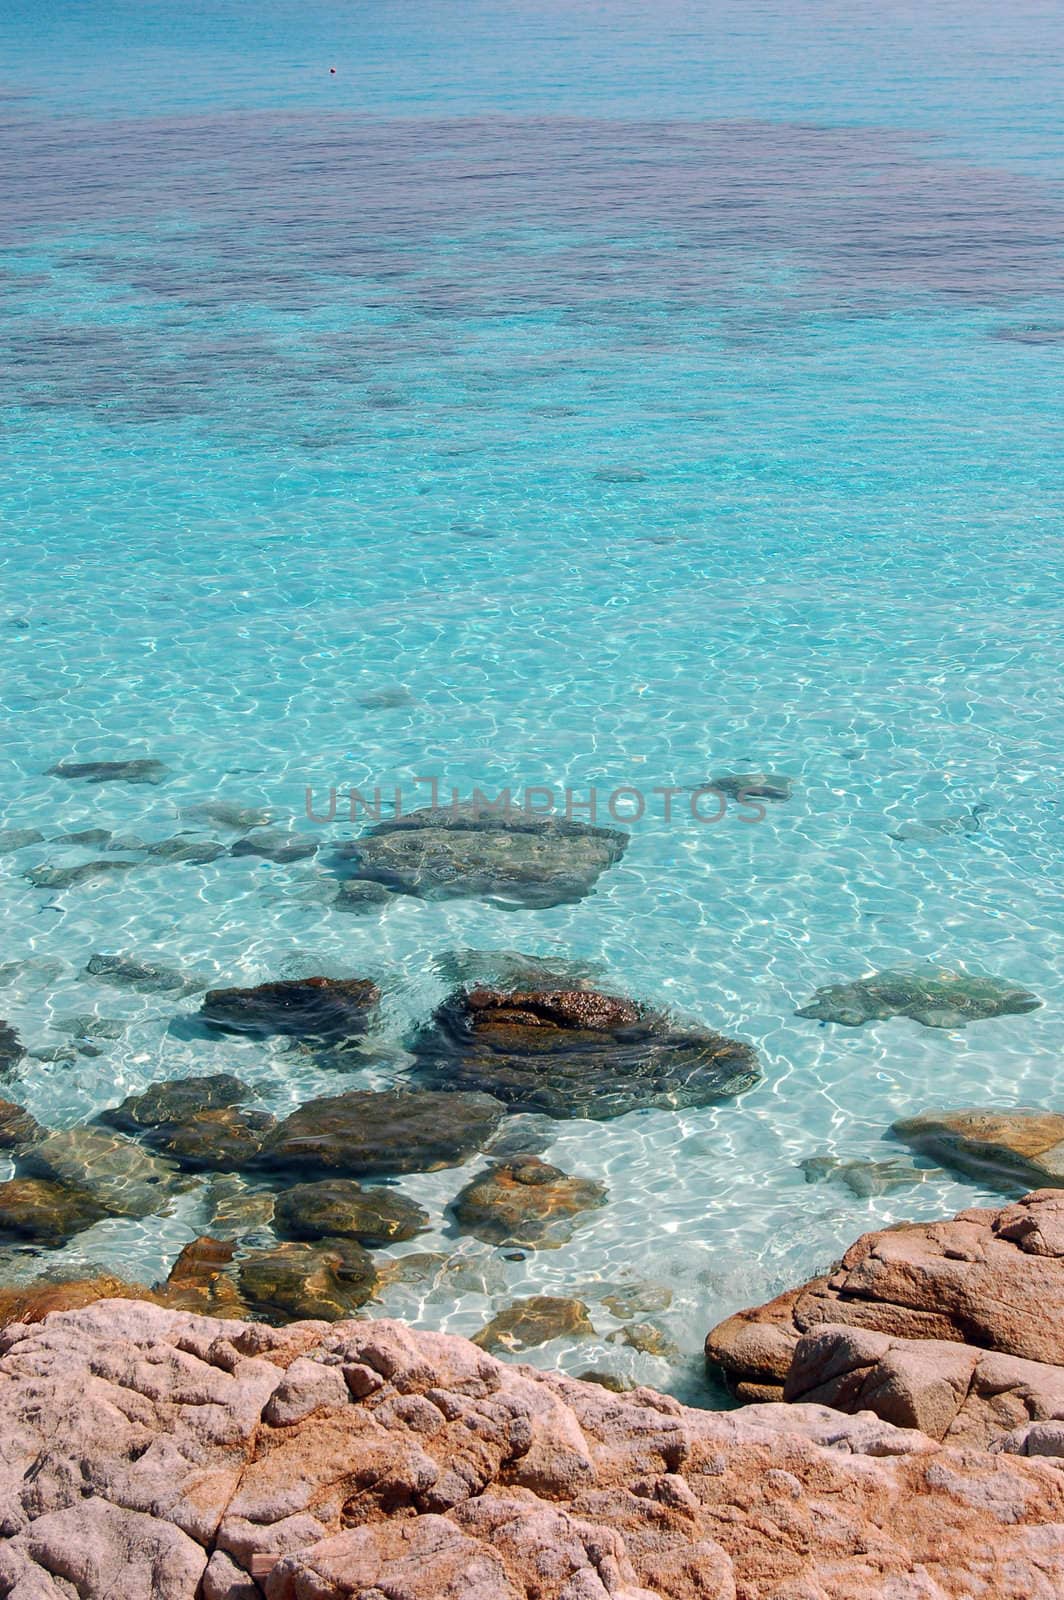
222, 1140
87, 1025
46, 1212
175, 1100
228, 814
11, 1049
525, 1202
45, 877
304, 1008
578, 1053
17, 1126
450, 852
18, 838
278, 847
648, 1338
1013, 1148
90, 838
361, 894
389, 698
186, 847
196, 1121
200, 1281
535, 1321
339, 1208
373, 1459
140, 771
235, 1209
375, 1133
968, 821
866, 1178
122, 1177
32, 1302
938, 999
146, 977
752, 785
36, 973
326, 1281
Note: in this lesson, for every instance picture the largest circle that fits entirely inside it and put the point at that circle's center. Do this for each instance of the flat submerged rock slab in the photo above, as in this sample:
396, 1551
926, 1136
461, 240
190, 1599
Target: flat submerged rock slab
455, 852
1014, 1148
938, 999
160, 1455
367, 1132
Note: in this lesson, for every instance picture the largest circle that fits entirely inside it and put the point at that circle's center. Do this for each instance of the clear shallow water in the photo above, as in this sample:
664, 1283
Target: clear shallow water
648, 398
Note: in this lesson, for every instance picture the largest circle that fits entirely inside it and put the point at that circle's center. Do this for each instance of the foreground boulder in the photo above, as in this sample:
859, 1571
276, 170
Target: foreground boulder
984, 1281
449, 852
577, 1053
938, 999
159, 1455
1011, 1148
332, 1009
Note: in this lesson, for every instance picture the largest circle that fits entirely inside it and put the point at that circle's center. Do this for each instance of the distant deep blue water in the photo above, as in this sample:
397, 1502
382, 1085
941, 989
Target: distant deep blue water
650, 391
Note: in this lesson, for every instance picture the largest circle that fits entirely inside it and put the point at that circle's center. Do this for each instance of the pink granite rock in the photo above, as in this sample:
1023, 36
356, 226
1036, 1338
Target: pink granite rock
155, 1454
992, 1279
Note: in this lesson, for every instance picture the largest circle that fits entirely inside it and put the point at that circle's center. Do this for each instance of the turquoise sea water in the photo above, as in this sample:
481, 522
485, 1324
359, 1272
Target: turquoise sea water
650, 392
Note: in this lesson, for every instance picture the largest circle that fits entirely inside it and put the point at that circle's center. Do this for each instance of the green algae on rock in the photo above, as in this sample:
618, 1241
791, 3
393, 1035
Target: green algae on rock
938, 999
46, 1212
577, 1053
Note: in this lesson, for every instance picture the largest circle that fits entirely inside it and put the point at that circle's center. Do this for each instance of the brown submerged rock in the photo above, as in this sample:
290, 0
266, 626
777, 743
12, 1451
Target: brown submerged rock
327, 1280
163, 1456
32, 1302
196, 1121
369, 1133
46, 1212
525, 1201
11, 1048
123, 1178
983, 1281
528, 1323
304, 1008
1015, 1148
200, 1281
339, 1208
17, 1127
577, 1053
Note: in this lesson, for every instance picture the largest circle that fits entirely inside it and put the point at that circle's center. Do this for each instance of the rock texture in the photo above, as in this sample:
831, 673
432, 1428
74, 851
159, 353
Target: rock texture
332, 1009
1013, 1148
938, 999
577, 1053
515, 860
374, 1133
918, 1319
525, 1201
157, 1455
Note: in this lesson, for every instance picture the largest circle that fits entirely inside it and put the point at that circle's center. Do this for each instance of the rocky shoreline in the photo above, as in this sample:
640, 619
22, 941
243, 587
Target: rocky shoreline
161, 1455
